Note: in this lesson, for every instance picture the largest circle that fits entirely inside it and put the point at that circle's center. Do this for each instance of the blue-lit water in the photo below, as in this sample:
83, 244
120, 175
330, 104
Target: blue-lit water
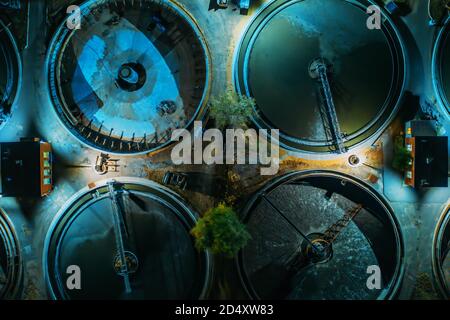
101, 51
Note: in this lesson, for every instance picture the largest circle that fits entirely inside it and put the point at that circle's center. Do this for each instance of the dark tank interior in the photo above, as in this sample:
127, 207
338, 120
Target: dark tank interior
252, 152
442, 65
441, 261
279, 50
276, 263
9, 73
147, 225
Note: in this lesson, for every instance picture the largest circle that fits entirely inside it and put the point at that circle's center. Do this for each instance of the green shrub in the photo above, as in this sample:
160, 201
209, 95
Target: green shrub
402, 156
231, 110
220, 231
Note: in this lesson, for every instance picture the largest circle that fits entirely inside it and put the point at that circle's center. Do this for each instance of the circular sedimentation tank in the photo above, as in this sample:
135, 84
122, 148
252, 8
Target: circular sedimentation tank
441, 67
320, 235
441, 253
10, 73
10, 260
278, 63
134, 72
129, 239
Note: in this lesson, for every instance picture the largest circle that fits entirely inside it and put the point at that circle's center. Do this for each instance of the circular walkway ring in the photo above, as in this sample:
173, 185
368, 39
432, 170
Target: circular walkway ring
67, 120
14, 270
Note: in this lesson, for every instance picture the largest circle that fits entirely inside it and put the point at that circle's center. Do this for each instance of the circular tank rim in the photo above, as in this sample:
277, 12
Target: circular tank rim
443, 223
19, 68
130, 180
365, 141
201, 108
15, 287
392, 289
435, 69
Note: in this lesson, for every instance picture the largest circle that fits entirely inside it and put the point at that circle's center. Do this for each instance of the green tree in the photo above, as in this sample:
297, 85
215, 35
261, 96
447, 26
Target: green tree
231, 110
220, 231
402, 156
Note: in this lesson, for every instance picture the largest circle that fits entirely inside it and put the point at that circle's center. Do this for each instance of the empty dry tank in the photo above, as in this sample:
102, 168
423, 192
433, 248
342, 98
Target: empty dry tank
10, 69
319, 74
441, 253
10, 261
320, 235
133, 72
441, 67
129, 239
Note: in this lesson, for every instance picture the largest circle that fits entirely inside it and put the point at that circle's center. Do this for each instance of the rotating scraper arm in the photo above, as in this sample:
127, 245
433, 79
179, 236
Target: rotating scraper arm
118, 232
319, 70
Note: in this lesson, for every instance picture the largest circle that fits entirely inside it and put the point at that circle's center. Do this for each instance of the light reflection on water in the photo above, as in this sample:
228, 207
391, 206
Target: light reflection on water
101, 50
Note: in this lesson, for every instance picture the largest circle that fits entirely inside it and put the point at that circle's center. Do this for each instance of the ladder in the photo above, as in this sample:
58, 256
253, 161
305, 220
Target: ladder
333, 232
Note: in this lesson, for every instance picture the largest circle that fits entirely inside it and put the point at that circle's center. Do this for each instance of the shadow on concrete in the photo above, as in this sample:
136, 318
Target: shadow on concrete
208, 184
